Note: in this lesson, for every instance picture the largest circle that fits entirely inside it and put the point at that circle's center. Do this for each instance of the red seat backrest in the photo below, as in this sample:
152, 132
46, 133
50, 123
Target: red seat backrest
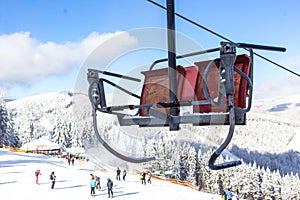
190, 86
156, 88
240, 84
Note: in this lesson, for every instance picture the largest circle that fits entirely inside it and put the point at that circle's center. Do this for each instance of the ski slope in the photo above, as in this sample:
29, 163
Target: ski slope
17, 181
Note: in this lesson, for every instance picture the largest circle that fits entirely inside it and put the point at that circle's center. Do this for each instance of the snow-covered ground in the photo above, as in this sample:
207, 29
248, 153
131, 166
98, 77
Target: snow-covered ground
17, 181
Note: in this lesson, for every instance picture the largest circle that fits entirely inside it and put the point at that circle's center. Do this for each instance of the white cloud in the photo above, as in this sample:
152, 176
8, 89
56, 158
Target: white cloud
28, 65
25, 60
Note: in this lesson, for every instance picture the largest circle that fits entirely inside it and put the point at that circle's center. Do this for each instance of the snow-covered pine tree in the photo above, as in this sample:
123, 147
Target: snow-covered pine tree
267, 186
182, 167
277, 184
7, 135
219, 184
251, 186
191, 164
200, 180
208, 175
290, 189
61, 134
75, 141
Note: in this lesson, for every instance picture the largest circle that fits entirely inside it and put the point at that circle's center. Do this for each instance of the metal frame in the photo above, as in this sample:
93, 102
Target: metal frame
235, 115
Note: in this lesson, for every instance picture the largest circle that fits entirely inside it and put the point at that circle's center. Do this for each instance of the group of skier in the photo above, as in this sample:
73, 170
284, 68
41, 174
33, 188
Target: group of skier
37, 173
95, 184
143, 178
118, 176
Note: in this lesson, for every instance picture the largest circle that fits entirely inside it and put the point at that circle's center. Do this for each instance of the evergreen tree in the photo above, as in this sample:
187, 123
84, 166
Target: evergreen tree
61, 134
200, 181
191, 162
7, 135
31, 134
208, 175
277, 184
267, 187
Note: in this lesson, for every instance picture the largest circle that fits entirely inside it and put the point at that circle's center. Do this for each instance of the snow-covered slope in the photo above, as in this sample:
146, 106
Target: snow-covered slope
41, 112
72, 182
272, 125
286, 107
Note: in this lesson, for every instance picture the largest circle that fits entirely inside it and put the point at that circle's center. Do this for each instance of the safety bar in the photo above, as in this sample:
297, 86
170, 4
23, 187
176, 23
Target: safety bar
115, 75
255, 46
184, 56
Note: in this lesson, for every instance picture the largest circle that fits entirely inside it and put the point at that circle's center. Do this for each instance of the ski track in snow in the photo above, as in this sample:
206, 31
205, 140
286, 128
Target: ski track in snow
17, 181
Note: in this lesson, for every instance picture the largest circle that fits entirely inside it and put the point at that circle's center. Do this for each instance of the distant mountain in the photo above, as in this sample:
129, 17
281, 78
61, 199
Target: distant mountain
266, 139
8, 100
286, 107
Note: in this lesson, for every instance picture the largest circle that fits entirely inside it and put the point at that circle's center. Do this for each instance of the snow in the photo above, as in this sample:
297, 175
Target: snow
72, 182
74, 150
295, 143
40, 144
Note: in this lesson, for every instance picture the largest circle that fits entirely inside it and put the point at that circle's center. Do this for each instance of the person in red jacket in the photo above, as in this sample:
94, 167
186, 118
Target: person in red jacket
37, 173
69, 160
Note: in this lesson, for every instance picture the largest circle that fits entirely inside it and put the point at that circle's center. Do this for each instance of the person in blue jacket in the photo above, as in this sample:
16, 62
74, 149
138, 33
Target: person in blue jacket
93, 184
229, 194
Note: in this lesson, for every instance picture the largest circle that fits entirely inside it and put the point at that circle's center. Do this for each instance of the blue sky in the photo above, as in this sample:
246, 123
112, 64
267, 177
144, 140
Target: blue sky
44, 44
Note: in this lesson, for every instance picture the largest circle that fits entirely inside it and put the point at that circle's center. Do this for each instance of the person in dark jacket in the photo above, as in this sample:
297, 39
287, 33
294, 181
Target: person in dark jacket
110, 185
224, 196
237, 194
118, 174
52, 178
144, 178
98, 187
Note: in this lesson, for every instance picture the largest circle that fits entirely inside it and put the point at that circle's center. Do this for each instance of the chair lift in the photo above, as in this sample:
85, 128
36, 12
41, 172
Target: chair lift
219, 95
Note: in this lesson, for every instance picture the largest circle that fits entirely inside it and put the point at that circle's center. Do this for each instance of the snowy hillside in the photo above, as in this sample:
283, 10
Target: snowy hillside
39, 114
271, 126
285, 107
266, 144
72, 182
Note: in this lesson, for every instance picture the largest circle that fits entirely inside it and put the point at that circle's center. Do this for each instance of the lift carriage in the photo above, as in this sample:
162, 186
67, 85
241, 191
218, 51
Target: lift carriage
218, 90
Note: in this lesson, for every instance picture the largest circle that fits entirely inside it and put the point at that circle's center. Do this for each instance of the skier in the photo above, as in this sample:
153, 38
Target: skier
98, 183
224, 197
149, 178
92, 177
37, 173
144, 178
118, 174
52, 178
109, 188
124, 174
69, 160
93, 185
229, 194
237, 194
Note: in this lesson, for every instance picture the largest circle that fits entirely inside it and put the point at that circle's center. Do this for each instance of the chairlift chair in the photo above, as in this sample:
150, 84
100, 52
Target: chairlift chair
220, 95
